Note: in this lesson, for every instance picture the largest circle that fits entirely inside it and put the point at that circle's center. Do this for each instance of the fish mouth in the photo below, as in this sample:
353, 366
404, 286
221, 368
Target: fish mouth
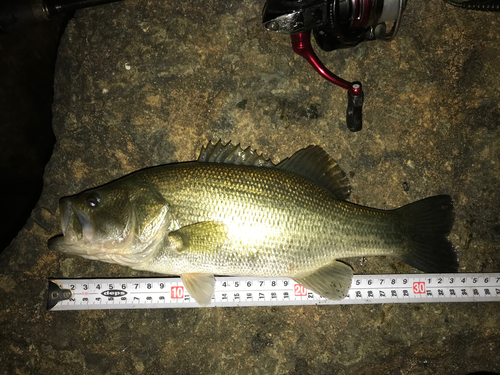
73, 222
76, 231
80, 237
75, 226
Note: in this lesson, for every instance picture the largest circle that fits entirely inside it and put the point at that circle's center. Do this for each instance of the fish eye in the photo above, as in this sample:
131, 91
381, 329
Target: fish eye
93, 201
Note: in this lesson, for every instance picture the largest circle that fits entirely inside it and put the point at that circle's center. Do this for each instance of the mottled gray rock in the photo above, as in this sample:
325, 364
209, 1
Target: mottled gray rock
143, 83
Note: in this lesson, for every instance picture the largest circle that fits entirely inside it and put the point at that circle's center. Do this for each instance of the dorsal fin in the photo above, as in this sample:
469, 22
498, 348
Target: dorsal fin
316, 165
312, 163
230, 154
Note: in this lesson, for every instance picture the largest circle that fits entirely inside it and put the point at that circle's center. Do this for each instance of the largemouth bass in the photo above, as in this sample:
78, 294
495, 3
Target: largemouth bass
232, 212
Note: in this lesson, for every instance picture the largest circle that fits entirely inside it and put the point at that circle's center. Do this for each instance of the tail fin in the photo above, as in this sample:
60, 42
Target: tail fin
427, 223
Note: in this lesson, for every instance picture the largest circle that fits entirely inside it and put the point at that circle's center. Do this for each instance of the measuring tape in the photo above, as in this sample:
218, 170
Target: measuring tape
147, 293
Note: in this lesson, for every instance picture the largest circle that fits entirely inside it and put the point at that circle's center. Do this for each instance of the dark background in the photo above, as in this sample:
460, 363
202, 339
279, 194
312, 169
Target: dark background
27, 59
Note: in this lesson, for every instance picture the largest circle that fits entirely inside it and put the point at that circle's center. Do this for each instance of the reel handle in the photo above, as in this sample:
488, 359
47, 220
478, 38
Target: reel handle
301, 44
354, 116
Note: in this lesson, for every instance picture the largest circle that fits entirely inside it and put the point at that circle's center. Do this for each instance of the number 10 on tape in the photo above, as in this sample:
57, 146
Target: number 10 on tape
176, 292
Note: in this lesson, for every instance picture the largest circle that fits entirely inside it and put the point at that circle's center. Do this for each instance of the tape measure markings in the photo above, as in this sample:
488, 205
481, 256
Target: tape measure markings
126, 293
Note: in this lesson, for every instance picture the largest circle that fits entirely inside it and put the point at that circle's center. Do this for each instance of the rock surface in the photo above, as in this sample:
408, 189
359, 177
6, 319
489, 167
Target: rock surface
142, 83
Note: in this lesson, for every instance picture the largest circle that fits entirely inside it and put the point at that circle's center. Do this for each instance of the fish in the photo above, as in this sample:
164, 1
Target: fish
234, 212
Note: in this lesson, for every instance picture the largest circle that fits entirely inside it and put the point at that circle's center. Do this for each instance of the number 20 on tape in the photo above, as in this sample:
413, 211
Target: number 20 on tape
419, 287
299, 290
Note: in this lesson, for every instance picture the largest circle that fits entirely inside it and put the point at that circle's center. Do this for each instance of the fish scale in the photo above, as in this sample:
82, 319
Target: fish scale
252, 200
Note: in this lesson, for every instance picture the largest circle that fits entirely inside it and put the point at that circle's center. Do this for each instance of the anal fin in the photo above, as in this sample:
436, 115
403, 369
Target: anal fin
200, 286
332, 281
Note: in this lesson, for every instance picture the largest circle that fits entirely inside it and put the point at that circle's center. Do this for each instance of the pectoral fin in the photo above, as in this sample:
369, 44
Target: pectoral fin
332, 281
204, 237
200, 286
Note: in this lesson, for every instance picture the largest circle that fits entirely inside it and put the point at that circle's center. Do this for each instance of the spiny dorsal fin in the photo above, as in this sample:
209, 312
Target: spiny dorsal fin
316, 165
230, 154
312, 163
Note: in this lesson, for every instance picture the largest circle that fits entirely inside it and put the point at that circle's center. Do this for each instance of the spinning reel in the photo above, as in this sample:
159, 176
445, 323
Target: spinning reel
334, 24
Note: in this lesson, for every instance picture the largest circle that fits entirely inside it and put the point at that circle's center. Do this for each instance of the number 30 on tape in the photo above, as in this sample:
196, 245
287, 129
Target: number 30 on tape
419, 287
